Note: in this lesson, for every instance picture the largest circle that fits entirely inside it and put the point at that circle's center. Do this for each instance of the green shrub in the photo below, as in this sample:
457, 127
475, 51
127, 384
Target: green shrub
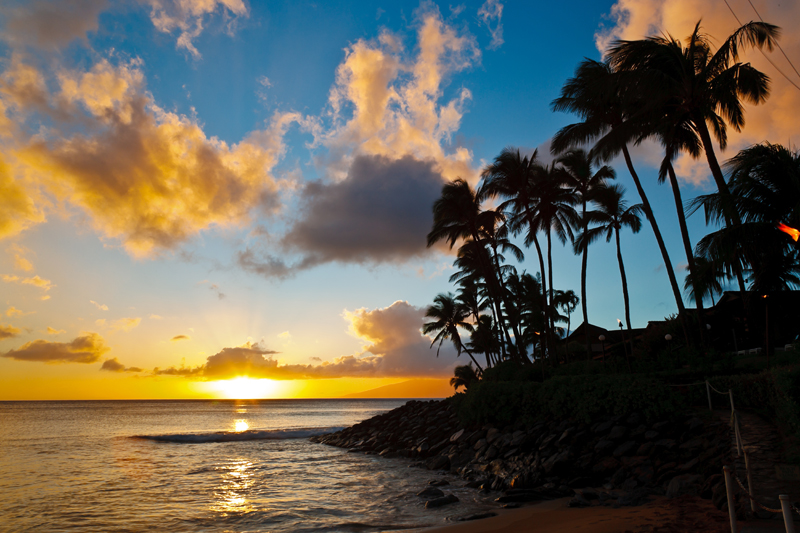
577, 397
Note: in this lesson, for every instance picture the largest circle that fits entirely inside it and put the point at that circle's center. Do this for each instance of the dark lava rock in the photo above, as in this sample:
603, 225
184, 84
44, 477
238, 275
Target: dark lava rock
438, 483
438, 502
430, 492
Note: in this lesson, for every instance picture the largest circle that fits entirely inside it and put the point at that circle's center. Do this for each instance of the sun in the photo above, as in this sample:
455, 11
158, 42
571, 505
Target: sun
245, 388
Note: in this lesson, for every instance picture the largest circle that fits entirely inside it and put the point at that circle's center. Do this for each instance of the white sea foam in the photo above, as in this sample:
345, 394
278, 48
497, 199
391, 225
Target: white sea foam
232, 436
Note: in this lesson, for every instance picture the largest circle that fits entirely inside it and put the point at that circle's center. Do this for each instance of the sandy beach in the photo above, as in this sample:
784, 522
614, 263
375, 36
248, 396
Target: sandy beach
662, 515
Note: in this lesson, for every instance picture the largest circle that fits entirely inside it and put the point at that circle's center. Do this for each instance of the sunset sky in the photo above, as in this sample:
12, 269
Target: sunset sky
193, 191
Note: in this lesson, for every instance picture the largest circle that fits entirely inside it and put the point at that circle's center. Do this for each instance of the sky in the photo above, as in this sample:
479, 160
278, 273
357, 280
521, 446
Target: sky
195, 191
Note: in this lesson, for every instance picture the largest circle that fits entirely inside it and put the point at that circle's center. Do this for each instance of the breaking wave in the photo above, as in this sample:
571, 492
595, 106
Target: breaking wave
234, 436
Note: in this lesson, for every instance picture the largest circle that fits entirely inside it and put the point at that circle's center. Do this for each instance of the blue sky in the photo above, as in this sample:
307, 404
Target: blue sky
246, 175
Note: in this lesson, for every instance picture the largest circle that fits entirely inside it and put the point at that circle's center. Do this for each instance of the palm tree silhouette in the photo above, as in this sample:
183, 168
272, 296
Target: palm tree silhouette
612, 215
512, 177
699, 86
448, 315
607, 102
464, 376
580, 176
765, 187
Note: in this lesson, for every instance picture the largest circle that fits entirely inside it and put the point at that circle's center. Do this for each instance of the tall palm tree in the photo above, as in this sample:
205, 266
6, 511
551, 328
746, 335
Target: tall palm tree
448, 315
606, 101
705, 87
584, 181
513, 178
555, 213
612, 215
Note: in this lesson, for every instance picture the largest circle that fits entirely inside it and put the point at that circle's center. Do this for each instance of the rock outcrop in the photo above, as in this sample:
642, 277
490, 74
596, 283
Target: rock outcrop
552, 458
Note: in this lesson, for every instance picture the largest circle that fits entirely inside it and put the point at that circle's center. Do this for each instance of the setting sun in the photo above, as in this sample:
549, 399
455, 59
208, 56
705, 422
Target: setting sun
244, 388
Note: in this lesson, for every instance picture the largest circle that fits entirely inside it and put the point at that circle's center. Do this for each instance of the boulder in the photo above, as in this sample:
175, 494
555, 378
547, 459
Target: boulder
683, 484
430, 492
444, 500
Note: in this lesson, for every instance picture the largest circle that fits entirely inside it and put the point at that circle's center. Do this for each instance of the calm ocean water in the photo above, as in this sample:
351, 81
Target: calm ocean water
204, 466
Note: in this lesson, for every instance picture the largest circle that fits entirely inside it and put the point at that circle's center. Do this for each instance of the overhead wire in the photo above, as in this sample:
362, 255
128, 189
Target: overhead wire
762, 52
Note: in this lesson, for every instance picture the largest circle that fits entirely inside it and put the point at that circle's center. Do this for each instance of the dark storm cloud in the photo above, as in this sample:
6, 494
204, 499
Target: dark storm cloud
380, 213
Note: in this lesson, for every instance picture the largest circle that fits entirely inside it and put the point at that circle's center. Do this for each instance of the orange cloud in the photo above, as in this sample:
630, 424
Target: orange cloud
125, 324
147, 177
18, 210
13, 311
20, 262
50, 23
774, 120
188, 17
8, 331
54, 331
36, 281
113, 365
102, 307
386, 104
180, 338
86, 349
395, 348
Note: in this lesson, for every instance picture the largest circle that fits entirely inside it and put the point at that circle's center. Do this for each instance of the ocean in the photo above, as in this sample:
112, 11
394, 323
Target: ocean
203, 465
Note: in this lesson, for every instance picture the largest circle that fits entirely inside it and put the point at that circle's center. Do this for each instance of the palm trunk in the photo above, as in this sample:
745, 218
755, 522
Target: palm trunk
687, 246
625, 298
584, 265
550, 322
728, 209
648, 211
480, 370
546, 339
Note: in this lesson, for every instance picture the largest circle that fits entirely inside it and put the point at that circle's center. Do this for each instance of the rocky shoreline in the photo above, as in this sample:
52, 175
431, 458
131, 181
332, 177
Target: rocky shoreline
612, 461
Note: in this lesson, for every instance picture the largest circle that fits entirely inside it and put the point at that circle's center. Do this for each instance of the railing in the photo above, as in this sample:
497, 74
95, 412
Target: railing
786, 506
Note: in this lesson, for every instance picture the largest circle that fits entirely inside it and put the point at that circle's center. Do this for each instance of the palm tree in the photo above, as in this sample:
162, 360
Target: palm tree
555, 213
765, 187
584, 181
701, 86
605, 101
457, 216
513, 178
567, 301
706, 279
464, 376
612, 215
448, 315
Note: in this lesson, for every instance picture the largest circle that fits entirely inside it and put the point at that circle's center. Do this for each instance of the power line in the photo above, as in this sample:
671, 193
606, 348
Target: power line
762, 51
776, 42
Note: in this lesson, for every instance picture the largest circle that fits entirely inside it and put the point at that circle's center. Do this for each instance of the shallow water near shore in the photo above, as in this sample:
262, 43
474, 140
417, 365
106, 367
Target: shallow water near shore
205, 466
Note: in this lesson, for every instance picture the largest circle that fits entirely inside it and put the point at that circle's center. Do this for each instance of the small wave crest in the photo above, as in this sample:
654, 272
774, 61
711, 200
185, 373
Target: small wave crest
234, 436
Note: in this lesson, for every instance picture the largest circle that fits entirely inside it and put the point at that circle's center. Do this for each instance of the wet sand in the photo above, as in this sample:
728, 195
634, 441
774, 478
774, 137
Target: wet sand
662, 515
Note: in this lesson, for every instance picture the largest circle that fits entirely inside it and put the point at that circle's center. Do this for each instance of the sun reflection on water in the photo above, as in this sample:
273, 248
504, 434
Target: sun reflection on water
236, 483
241, 425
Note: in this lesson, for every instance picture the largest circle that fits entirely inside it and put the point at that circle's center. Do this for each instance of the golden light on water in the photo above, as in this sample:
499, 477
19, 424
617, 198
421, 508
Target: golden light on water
244, 388
241, 425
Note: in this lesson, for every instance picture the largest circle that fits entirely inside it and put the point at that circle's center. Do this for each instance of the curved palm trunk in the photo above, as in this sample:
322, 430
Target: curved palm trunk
624, 297
480, 370
687, 246
584, 265
648, 211
731, 215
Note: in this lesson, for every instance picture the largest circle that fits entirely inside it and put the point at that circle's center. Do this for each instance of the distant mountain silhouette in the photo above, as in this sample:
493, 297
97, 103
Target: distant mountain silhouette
414, 388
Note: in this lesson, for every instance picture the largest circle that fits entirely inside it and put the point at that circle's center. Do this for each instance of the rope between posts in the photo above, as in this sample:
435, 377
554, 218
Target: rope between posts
715, 390
741, 486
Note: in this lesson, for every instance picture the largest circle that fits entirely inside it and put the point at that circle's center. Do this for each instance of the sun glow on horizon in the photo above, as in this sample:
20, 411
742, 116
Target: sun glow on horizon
244, 388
